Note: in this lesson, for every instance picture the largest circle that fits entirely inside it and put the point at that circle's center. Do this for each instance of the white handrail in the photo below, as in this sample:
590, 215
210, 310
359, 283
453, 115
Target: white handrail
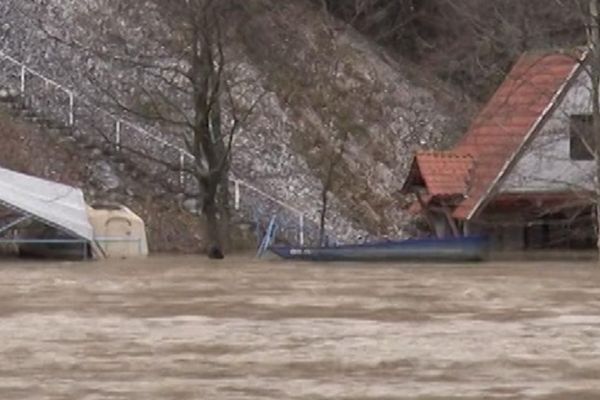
268, 196
118, 126
144, 132
34, 72
25, 69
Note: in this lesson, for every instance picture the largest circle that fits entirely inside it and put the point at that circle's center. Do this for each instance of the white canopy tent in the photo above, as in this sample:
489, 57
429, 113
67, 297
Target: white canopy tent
54, 204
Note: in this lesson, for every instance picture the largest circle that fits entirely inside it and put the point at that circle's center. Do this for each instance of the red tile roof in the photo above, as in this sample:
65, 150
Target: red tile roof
499, 131
445, 173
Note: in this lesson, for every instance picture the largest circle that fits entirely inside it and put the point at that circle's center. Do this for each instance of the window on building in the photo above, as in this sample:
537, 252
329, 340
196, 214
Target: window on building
581, 137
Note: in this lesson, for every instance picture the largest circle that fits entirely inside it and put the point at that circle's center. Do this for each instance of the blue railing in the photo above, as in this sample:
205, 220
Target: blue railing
269, 237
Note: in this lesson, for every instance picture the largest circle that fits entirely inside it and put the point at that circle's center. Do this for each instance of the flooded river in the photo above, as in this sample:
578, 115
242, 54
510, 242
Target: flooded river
182, 328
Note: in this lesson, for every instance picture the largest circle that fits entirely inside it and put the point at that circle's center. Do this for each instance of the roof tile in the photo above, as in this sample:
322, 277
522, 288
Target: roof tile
445, 173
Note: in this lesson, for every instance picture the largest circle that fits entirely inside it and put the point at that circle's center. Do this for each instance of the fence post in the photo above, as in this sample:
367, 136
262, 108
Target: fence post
118, 135
23, 72
236, 196
182, 169
302, 230
71, 109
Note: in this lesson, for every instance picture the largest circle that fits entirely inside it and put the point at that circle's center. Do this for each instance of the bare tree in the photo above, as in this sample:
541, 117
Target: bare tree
470, 43
176, 76
333, 160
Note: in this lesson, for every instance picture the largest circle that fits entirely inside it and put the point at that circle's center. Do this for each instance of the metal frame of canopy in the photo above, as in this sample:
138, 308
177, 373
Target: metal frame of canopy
27, 198
25, 216
22, 216
54, 204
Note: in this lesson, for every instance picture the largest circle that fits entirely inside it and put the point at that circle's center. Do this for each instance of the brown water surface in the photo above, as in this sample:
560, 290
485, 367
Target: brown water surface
184, 328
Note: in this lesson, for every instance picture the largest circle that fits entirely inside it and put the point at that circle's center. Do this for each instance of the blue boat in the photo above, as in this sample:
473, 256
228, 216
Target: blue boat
474, 248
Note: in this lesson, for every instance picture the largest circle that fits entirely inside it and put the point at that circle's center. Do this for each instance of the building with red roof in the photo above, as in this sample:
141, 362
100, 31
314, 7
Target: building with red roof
524, 170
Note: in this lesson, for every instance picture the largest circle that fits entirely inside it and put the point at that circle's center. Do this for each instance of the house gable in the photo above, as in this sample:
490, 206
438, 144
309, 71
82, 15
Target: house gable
546, 164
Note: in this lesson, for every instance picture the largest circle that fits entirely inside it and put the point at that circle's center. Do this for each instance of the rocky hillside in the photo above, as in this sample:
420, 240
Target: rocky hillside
469, 43
330, 81
322, 81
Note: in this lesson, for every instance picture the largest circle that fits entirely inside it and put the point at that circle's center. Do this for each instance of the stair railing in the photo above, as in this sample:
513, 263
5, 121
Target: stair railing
269, 237
119, 124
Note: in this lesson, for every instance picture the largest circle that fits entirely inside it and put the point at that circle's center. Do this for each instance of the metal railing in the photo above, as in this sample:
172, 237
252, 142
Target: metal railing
67, 103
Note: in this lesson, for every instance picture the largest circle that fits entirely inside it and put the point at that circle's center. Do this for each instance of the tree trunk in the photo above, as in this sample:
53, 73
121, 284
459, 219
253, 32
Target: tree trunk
335, 158
324, 199
224, 201
213, 229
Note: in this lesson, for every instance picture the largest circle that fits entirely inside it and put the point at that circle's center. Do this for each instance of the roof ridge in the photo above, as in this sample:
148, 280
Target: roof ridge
445, 153
577, 52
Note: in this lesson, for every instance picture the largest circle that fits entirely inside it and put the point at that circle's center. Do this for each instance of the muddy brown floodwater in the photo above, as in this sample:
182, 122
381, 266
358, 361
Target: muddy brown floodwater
182, 328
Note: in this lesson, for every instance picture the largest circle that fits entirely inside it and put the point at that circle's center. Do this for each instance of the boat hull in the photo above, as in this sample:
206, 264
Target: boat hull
440, 250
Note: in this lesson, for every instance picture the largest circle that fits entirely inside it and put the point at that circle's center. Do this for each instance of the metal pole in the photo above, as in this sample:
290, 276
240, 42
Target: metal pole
118, 135
71, 109
302, 230
237, 195
23, 72
14, 223
181, 169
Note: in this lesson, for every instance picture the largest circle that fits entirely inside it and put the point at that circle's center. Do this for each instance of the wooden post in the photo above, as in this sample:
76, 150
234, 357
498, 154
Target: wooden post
427, 213
466, 228
451, 221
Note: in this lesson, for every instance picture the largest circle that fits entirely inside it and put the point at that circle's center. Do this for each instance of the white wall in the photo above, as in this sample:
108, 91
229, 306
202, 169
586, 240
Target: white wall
546, 164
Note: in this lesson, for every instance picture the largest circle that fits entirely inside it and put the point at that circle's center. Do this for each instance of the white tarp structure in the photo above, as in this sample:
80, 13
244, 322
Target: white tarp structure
52, 203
